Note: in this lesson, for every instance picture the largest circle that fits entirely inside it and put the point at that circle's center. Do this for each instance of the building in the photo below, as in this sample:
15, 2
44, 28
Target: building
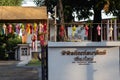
24, 15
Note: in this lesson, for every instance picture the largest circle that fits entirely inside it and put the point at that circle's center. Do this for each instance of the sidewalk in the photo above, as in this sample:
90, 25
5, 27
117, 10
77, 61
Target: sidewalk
22, 63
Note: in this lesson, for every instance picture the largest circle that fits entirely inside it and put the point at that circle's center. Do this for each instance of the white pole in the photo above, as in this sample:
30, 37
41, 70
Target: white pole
108, 30
55, 24
101, 32
115, 30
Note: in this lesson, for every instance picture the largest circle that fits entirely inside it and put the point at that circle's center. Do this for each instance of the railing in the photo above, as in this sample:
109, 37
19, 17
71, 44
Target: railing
108, 30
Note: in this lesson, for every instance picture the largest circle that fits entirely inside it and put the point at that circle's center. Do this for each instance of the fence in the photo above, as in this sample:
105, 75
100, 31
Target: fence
107, 30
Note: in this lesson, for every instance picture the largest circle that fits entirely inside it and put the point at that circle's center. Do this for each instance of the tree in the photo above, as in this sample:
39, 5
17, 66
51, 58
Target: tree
8, 42
10, 2
83, 10
39, 2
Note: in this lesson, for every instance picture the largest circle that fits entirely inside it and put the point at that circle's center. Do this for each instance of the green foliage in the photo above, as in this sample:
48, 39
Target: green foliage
34, 62
12, 41
10, 2
8, 44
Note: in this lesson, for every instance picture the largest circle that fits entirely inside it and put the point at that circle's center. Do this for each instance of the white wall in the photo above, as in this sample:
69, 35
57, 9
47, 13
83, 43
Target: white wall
61, 67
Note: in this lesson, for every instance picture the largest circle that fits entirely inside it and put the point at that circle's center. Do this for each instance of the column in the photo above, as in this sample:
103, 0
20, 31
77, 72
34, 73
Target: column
115, 30
101, 32
36, 45
108, 30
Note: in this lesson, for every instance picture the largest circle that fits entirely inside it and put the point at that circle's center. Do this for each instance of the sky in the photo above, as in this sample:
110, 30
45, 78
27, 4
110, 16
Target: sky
28, 3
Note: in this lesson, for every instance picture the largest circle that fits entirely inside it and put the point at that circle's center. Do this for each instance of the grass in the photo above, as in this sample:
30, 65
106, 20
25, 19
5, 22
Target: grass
34, 62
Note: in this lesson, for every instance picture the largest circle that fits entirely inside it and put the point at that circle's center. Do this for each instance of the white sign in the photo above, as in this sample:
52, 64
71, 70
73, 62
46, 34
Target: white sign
83, 63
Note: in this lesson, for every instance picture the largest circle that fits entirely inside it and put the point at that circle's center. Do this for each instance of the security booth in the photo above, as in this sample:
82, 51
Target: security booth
22, 52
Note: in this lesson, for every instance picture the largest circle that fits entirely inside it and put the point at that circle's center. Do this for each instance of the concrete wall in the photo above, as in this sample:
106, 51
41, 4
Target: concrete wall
63, 67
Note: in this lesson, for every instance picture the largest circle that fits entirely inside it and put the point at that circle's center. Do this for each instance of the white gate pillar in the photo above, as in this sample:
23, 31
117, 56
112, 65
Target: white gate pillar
115, 30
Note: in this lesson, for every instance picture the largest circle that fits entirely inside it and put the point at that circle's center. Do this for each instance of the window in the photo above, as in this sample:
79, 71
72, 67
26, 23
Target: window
24, 51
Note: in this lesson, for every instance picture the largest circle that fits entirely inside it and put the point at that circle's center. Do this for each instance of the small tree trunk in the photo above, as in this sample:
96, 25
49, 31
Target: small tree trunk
96, 22
61, 13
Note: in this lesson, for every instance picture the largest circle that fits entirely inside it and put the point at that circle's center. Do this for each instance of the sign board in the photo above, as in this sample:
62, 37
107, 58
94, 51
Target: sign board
83, 63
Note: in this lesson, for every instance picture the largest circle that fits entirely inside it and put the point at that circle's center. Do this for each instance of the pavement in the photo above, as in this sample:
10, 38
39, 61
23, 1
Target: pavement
9, 70
22, 63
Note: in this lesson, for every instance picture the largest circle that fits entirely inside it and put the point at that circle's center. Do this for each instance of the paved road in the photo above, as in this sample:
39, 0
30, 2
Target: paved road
9, 71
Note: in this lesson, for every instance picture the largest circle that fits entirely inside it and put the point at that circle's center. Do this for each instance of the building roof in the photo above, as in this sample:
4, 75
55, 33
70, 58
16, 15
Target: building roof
18, 13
